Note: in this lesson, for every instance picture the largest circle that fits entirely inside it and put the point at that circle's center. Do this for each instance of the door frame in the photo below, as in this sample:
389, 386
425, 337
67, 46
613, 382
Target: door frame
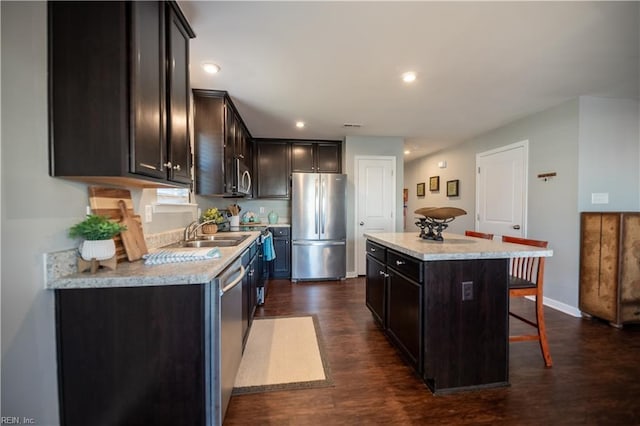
524, 144
393, 159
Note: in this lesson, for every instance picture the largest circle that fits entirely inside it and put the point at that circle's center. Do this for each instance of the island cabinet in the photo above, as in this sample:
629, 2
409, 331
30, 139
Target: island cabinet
119, 92
376, 284
453, 340
404, 306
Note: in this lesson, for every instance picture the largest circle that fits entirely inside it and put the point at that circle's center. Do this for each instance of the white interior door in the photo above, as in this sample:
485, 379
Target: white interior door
375, 201
501, 190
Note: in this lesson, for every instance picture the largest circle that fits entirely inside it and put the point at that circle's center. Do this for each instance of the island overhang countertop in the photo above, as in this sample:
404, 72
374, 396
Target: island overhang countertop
454, 247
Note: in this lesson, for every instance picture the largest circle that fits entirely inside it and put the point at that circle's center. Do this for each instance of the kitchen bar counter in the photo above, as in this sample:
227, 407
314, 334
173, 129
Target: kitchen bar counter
137, 274
444, 305
454, 247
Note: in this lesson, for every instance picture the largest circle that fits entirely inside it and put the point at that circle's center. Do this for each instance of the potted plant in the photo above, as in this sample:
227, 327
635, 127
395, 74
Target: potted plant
97, 232
211, 215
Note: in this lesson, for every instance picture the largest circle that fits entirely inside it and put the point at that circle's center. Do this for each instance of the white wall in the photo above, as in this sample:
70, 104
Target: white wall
37, 211
592, 144
369, 145
552, 207
609, 152
461, 166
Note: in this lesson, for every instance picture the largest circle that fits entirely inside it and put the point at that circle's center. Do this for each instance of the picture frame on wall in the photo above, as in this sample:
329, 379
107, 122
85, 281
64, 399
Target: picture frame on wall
434, 183
453, 188
420, 189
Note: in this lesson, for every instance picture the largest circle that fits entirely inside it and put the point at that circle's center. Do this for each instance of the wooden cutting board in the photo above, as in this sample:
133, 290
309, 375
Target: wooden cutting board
132, 238
104, 202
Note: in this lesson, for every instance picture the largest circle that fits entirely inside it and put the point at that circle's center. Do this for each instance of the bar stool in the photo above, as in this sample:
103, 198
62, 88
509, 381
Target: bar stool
526, 278
478, 235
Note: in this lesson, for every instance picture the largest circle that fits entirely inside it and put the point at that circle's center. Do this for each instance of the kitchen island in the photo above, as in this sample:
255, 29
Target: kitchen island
444, 305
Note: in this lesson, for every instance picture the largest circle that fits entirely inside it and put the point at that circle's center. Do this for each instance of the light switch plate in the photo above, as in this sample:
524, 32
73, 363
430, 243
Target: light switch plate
600, 198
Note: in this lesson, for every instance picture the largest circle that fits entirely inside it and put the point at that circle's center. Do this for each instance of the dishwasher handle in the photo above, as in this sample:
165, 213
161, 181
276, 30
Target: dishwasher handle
234, 282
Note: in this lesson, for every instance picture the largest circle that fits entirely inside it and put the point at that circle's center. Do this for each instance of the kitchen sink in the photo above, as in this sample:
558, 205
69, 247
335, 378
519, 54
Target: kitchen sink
210, 241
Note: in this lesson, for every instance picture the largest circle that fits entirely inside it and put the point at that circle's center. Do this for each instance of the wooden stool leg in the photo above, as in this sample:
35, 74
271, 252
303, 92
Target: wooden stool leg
542, 332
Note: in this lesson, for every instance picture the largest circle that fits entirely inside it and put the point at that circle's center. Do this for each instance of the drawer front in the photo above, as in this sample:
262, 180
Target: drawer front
280, 231
376, 250
406, 265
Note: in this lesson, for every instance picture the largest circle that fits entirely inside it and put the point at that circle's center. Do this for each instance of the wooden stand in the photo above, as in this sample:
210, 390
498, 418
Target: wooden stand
94, 264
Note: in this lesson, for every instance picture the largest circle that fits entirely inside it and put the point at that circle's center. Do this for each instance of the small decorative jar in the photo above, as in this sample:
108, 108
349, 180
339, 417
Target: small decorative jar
273, 217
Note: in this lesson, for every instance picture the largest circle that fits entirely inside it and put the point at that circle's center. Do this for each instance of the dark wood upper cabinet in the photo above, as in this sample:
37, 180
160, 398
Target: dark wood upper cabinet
273, 159
316, 157
179, 91
329, 157
119, 92
302, 158
222, 144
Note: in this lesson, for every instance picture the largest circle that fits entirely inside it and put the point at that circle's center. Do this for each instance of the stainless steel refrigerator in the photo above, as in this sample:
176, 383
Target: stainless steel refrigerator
318, 226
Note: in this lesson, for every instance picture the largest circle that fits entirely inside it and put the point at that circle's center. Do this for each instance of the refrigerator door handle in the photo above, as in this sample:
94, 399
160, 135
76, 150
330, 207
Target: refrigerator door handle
317, 201
323, 201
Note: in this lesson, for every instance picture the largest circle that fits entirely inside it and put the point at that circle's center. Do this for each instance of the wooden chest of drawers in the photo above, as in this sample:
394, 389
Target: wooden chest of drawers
610, 266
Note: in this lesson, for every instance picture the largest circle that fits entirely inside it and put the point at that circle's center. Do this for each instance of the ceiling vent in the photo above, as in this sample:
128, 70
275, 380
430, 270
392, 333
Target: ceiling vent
352, 125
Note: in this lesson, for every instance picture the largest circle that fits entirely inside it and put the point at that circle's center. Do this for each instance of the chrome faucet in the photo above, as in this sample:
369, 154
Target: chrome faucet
191, 229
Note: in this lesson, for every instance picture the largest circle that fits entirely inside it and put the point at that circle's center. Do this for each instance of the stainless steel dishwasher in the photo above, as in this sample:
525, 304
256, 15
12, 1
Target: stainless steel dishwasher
225, 343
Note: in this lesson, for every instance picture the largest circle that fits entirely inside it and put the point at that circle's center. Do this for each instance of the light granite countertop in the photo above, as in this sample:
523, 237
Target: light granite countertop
137, 274
454, 247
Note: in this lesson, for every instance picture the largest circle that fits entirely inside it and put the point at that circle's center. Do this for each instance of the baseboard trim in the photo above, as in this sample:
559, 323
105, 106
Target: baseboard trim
352, 274
559, 306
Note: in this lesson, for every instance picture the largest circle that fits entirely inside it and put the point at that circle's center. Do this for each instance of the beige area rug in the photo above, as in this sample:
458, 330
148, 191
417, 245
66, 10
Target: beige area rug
282, 353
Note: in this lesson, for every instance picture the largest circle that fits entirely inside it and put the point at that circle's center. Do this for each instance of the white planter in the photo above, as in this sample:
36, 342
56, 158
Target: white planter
97, 249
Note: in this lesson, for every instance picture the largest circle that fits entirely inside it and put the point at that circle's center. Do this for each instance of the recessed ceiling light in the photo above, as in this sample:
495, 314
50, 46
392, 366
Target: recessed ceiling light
299, 124
407, 152
211, 68
409, 77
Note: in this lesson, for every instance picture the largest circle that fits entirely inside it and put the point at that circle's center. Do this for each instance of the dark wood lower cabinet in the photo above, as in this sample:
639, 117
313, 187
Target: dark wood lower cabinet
465, 341
453, 344
280, 267
404, 316
133, 356
376, 289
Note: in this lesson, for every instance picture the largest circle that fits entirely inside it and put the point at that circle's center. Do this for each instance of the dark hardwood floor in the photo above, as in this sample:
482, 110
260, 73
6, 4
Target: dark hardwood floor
595, 379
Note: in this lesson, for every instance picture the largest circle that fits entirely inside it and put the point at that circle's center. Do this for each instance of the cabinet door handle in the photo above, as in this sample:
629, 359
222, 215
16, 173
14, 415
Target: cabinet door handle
372, 250
400, 262
168, 164
177, 167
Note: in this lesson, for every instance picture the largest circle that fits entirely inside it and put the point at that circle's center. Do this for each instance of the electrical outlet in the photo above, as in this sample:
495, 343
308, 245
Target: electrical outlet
148, 213
467, 290
261, 209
